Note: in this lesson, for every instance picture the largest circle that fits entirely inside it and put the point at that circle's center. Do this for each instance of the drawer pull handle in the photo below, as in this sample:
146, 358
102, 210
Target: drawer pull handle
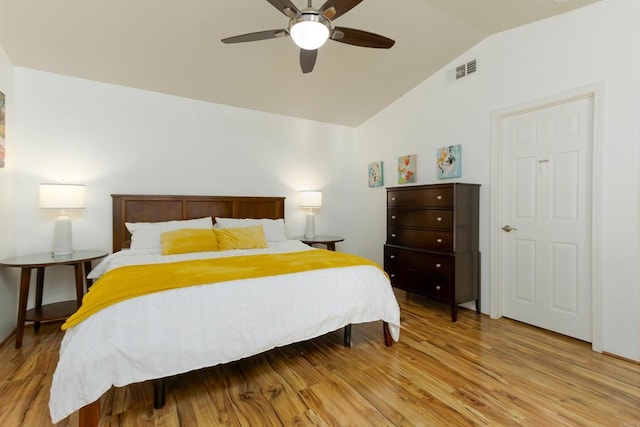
439, 197
392, 275
439, 240
438, 288
393, 199
393, 235
393, 217
392, 257
439, 219
438, 265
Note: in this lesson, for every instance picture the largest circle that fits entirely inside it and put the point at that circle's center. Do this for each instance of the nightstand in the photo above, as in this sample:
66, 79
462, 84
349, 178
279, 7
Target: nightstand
328, 241
80, 260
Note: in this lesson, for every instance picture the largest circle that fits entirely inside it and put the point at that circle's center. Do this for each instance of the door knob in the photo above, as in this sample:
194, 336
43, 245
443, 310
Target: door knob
508, 228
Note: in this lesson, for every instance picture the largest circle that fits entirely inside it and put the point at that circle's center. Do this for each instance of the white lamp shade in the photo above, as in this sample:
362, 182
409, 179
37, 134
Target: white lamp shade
309, 35
62, 196
310, 199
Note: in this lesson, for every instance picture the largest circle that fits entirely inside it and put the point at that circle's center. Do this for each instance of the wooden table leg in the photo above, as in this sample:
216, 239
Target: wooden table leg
39, 292
25, 281
87, 269
79, 282
331, 246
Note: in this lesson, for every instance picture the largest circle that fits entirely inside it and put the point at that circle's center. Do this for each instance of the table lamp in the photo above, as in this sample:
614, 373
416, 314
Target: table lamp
310, 200
62, 196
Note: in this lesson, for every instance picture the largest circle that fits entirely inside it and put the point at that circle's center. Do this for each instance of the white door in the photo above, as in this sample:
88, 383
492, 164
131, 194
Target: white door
546, 215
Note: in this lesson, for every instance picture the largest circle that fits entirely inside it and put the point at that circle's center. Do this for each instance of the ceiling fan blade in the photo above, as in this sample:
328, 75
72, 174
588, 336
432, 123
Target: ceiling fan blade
260, 35
286, 7
308, 60
361, 38
333, 9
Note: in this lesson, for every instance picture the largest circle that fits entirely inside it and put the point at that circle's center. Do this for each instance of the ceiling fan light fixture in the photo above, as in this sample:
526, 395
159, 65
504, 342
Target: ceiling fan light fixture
309, 31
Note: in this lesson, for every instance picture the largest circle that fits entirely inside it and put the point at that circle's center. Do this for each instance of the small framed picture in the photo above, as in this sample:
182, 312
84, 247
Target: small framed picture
2, 110
375, 174
449, 161
407, 169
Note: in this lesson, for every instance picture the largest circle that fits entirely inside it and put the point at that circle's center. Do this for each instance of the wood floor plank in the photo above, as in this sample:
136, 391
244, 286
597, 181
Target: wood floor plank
477, 371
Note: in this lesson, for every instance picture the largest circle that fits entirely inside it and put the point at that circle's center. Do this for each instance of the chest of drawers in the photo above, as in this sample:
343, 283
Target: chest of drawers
432, 242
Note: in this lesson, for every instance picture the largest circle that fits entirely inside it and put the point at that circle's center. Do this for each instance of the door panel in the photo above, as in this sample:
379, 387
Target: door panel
525, 277
546, 199
565, 277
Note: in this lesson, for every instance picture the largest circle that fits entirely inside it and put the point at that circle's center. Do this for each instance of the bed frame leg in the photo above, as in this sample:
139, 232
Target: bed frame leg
158, 393
89, 414
347, 336
388, 341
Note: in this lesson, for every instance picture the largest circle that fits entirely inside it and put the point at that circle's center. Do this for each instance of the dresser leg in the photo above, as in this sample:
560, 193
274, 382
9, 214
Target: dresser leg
454, 311
478, 284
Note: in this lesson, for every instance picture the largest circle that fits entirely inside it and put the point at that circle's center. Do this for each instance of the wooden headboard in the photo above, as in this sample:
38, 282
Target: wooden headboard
154, 208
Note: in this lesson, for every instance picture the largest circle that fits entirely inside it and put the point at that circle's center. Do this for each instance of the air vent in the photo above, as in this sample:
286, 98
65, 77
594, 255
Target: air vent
461, 71
471, 67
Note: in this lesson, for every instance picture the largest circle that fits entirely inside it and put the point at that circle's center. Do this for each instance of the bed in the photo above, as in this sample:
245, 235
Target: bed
151, 337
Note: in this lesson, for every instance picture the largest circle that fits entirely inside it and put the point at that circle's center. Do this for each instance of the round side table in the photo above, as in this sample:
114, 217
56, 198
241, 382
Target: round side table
328, 241
80, 260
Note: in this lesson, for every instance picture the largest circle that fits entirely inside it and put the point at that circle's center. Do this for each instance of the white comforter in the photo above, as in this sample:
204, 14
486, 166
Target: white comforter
176, 331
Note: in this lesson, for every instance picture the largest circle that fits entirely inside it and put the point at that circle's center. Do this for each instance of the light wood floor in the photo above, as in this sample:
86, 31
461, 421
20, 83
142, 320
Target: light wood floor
477, 371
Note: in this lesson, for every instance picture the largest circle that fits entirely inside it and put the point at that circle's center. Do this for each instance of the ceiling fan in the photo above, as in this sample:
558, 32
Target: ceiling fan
310, 28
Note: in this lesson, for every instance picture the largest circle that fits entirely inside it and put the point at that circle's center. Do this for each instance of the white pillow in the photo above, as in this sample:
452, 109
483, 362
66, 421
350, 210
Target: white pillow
146, 235
273, 228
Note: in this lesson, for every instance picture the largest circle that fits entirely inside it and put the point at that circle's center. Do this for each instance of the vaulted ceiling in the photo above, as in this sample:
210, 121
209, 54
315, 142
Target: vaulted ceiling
173, 47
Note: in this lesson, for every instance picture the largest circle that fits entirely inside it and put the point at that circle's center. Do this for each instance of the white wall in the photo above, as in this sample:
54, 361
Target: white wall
598, 43
8, 278
121, 140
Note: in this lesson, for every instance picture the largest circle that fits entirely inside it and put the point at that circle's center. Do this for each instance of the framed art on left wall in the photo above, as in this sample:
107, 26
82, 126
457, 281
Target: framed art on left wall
2, 110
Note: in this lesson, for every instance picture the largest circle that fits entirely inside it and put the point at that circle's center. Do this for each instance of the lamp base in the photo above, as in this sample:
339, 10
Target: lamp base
310, 230
61, 254
62, 242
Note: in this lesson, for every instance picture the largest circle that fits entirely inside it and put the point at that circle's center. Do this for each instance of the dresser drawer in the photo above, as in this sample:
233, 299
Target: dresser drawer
417, 260
420, 282
427, 218
440, 241
426, 197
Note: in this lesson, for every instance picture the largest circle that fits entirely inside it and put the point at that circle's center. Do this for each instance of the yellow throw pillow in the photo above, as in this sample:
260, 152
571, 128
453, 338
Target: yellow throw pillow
188, 240
241, 238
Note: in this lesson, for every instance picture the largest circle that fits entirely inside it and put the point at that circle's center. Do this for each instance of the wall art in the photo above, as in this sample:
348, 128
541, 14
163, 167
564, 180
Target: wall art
449, 161
2, 110
376, 178
407, 169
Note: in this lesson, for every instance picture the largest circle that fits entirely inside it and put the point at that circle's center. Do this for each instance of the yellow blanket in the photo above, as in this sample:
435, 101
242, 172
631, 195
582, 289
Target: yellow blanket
137, 280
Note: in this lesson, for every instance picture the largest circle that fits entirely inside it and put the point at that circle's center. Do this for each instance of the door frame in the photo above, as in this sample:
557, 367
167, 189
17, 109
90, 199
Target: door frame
596, 92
